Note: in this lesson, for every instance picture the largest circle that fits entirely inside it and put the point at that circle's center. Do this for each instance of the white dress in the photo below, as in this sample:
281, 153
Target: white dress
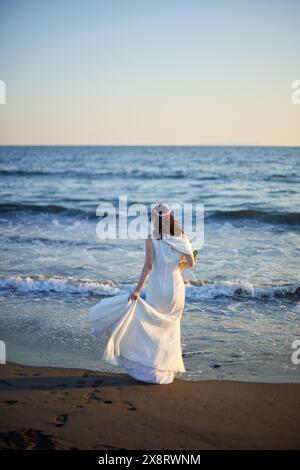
144, 336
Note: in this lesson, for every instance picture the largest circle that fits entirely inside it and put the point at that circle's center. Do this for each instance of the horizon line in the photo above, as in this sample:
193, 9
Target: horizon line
151, 145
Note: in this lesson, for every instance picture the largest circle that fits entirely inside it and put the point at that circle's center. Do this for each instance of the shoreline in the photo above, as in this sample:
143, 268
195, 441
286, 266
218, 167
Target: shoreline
59, 408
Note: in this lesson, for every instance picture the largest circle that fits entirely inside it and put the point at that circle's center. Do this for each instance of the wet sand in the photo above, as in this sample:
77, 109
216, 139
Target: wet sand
53, 408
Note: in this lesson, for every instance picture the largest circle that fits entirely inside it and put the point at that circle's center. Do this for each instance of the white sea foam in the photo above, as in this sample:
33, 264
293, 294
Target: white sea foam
211, 290
195, 291
61, 285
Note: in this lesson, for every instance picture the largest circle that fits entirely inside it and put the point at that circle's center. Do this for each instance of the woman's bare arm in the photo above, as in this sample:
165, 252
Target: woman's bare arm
145, 271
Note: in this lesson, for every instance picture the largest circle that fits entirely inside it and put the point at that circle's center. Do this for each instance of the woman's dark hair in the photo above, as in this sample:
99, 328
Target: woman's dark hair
172, 225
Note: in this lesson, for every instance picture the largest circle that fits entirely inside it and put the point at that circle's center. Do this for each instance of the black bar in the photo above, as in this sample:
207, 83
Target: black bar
134, 458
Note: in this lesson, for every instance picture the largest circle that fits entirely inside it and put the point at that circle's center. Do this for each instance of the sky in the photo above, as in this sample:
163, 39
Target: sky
140, 72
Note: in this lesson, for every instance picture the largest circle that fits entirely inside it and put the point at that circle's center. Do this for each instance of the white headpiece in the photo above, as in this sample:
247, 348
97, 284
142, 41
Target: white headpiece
159, 212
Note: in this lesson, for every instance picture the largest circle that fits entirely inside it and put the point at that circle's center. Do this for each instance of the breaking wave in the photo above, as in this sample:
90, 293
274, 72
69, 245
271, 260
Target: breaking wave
195, 290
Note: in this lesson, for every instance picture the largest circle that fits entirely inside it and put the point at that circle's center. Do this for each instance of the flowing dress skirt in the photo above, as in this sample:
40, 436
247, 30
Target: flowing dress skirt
144, 335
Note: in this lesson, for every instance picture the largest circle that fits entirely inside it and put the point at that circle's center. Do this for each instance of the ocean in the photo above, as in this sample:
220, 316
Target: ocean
242, 311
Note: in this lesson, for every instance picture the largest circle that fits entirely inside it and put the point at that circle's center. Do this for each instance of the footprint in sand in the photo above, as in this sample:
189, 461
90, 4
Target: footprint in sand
60, 420
27, 439
130, 406
92, 396
86, 373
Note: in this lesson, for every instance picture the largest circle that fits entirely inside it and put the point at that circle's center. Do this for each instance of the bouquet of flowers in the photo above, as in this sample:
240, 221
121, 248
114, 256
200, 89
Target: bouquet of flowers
184, 260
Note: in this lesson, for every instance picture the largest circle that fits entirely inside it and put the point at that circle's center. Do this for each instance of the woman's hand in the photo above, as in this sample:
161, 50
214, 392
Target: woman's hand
134, 295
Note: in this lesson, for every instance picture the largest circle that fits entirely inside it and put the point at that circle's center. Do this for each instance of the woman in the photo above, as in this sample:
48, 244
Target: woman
144, 336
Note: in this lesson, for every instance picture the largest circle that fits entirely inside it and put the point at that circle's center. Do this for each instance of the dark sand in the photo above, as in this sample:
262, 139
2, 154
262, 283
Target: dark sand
51, 408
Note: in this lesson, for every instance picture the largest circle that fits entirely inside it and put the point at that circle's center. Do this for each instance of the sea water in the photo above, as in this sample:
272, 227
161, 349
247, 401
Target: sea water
242, 311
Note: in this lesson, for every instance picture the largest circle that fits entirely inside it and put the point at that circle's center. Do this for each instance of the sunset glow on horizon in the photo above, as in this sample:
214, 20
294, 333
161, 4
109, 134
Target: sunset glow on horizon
149, 73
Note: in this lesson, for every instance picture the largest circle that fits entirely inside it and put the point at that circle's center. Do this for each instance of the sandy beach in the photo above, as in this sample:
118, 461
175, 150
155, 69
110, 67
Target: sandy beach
52, 408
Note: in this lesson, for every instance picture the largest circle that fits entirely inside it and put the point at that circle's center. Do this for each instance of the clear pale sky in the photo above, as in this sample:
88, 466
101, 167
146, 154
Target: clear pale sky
182, 72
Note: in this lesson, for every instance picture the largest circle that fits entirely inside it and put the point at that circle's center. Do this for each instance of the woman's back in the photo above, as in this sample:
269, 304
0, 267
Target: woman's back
165, 256
165, 289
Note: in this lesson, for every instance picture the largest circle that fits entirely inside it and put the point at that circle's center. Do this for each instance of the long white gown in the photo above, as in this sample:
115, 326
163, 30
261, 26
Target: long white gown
144, 336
